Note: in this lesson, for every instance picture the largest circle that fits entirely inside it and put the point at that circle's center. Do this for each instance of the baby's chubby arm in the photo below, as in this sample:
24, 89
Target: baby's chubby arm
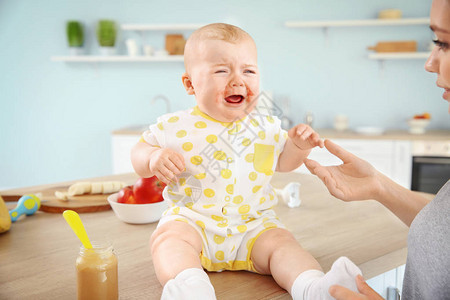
163, 163
302, 138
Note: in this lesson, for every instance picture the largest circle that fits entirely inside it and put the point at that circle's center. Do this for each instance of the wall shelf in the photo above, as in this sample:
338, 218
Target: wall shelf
118, 58
357, 23
161, 27
325, 25
399, 55
141, 28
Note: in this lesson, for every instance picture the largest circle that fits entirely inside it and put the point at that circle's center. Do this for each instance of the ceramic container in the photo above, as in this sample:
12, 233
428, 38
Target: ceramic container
418, 126
137, 213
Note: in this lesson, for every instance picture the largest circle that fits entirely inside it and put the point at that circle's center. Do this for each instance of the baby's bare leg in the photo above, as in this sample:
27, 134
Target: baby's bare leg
277, 252
175, 247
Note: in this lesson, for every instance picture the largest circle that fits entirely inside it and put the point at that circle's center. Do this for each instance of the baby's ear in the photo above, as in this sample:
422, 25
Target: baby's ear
187, 84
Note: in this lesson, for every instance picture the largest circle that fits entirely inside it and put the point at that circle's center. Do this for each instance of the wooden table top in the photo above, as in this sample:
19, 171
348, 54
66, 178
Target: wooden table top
37, 256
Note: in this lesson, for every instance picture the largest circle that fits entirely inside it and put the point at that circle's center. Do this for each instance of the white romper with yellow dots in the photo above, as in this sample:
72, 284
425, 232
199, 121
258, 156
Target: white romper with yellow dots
225, 192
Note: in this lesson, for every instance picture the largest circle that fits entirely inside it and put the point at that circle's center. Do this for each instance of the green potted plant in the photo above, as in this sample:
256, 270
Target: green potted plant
106, 36
75, 37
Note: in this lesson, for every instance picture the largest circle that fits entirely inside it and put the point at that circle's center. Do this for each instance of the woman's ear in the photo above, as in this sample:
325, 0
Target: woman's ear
187, 84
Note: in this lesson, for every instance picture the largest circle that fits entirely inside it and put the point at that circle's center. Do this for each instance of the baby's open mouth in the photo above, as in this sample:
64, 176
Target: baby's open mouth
235, 99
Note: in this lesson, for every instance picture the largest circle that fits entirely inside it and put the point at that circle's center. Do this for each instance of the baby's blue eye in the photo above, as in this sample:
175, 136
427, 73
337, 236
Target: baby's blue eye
249, 71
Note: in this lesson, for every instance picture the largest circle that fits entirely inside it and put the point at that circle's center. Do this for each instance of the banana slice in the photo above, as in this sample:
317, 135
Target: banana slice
108, 187
79, 188
96, 187
117, 185
61, 196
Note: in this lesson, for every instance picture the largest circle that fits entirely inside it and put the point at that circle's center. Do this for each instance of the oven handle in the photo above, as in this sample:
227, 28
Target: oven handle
430, 160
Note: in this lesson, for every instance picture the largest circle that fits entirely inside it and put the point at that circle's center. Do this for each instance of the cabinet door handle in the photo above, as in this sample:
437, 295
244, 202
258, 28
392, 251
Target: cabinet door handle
392, 293
432, 160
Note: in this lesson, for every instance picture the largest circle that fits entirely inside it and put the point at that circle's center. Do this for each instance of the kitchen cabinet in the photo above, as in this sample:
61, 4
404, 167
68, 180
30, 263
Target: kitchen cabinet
391, 279
121, 148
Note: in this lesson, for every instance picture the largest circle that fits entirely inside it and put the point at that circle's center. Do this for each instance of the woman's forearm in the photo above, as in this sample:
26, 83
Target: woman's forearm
404, 203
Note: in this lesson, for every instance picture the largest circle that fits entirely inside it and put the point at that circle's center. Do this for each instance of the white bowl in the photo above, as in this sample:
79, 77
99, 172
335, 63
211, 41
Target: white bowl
137, 213
417, 126
368, 130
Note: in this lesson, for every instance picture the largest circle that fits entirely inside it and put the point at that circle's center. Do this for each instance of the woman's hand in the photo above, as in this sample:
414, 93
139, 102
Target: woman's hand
166, 164
355, 179
367, 293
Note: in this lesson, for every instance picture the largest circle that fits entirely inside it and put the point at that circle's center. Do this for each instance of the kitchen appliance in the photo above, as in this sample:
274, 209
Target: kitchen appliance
430, 165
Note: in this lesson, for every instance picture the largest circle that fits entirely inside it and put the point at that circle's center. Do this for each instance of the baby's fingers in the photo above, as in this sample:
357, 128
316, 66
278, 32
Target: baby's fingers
316, 140
162, 178
304, 132
167, 174
178, 161
171, 171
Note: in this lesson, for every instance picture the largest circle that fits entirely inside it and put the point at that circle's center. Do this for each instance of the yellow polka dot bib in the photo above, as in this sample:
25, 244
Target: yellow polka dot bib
226, 185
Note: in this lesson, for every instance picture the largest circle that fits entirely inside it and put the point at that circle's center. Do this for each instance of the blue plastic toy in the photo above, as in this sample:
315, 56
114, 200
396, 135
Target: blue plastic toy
28, 204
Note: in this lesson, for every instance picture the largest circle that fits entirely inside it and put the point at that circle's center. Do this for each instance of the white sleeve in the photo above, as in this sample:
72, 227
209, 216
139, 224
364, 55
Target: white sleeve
282, 135
154, 136
283, 139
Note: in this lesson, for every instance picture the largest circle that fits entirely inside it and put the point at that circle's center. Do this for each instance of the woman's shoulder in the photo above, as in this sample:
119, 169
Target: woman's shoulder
428, 246
443, 194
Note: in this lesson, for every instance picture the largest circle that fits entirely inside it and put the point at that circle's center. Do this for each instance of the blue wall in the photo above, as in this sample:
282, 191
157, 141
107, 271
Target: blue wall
56, 118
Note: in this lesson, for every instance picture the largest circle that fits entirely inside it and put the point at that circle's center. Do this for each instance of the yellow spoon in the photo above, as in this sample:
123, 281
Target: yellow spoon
74, 221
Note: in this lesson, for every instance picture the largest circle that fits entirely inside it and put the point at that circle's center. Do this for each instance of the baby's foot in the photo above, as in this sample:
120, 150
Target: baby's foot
190, 284
343, 272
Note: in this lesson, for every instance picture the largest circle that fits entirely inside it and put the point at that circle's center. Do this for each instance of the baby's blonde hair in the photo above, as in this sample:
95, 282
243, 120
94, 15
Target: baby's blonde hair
215, 31
219, 31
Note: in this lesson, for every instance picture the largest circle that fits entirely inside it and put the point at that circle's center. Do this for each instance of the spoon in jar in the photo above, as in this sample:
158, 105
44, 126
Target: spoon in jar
74, 221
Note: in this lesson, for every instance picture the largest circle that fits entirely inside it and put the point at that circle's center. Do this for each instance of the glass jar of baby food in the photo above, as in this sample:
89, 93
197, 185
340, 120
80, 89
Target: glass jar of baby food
97, 273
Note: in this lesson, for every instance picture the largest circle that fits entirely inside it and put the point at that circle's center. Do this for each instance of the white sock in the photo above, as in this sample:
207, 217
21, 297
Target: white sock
189, 284
314, 284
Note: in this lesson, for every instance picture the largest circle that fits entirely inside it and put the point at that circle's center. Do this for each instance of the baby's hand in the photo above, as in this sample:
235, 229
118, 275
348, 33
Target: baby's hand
304, 137
166, 164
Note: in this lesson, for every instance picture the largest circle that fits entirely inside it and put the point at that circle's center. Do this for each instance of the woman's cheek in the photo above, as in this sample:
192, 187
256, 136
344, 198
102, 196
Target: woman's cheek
445, 68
